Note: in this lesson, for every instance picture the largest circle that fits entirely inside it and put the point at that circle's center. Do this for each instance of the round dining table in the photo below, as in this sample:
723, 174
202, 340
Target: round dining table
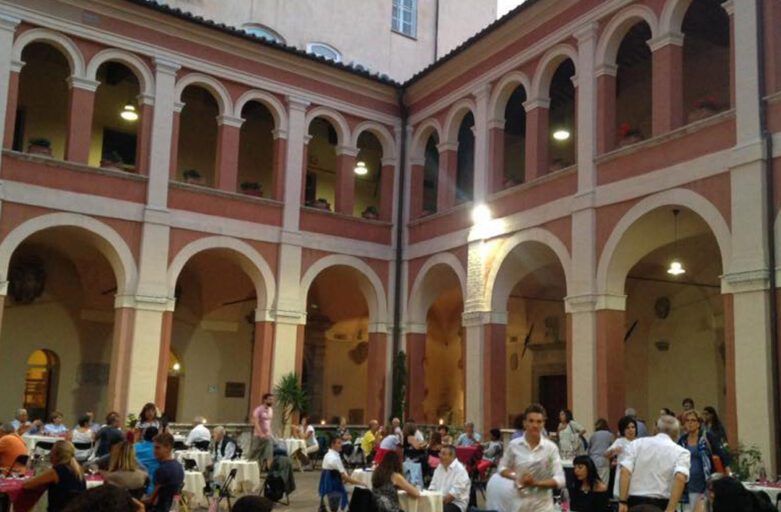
294, 445
247, 475
193, 486
202, 459
364, 476
429, 501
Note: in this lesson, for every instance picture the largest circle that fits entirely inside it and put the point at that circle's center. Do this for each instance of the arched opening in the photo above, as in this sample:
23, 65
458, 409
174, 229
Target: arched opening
60, 309
430, 175
173, 380
320, 189
368, 171
40, 383
256, 150
634, 86
336, 346
116, 118
212, 335
465, 172
562, 117
41, 125
197, 150
515, 139
706, 59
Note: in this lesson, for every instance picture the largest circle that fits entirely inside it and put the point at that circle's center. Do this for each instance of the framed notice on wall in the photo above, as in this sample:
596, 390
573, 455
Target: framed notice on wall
235, 389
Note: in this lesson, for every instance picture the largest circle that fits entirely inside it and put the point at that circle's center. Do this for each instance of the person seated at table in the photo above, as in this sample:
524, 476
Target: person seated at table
347, 438
728, 494
145, 453
387, 481
11, 448
590, 492
415, 451
334, 477
199, 437
109, 435
389, 443
418, 434
444, 432
469, 437
395, 428
123, 470
55, 427
223, 447
370, 440
435, 444
64, 480
307, 433
83, 435
105, 498
252, 504
451, 480
168, 477
23, 425
492, 451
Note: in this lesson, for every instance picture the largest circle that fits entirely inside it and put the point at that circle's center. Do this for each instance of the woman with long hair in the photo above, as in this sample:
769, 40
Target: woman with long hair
569, 431
627, 429
83, 435
590, 492
387, 480
64, 480
123, 469
702, 448
713, 426
148, 417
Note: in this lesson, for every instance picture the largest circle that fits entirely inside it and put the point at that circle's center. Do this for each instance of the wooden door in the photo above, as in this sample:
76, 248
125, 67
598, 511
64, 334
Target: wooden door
553, 396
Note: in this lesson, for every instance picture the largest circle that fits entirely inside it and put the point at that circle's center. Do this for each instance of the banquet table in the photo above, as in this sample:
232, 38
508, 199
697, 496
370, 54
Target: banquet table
363, 476
247, 475
194, 484
203, 459
294, 445
32, 440
430, 501
465, 453
773, 491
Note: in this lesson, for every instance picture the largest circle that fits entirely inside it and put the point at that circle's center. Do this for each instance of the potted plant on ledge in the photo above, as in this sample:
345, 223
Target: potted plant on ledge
371, 213
40, 146
111, 160
628, 135
704, 108
251, 188
322, 204
192, 177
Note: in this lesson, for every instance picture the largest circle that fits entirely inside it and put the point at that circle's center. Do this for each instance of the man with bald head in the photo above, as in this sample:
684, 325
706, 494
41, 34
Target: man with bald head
370, 440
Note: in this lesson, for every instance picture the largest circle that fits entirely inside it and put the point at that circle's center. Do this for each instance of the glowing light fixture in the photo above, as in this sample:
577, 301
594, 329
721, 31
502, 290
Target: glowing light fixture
322, 422
361, 169
441, 421
176, 367
561, 135
676, 268
481, 214
129, 113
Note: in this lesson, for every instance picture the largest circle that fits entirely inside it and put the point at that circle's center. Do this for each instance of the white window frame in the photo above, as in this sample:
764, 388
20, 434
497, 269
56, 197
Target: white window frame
311, 48
270, 34
401, 7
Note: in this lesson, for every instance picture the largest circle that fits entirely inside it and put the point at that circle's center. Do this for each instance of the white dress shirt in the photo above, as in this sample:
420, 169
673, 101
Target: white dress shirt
621, 443
333, 461
199, 433
454, 481
654, 462
542, 461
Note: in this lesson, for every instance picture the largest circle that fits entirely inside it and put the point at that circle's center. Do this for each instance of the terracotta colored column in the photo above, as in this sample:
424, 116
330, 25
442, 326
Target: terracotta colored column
304, 168
731, 414
377, 371
164, 360
262, 354
227, 166
496, 154
495, 376
446, 183
387, 186
120, 360
667, 83
278, 166
537, 127
178, 106
416, 189
416, 374
344, 195
300, 332
606, 111
11, 104
144, 135
82, 103
610, 365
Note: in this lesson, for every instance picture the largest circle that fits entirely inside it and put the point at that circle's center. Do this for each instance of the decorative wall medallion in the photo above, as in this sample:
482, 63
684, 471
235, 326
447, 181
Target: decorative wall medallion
360, 353
662, 307
337, 389
27, 279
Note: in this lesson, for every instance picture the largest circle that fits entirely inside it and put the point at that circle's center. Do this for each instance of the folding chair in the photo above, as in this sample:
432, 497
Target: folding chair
202, 445
223, 492
189, 464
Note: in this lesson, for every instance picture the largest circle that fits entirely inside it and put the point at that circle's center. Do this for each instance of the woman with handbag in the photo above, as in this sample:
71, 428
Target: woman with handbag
571, 440
706, 458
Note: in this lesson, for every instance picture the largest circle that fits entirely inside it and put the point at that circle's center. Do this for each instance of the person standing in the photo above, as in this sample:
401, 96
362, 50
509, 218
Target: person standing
145, 453
701, 448
168, 477
655, 469
627, 429
148, 417
570, 431
713, 426
262, 447
642, 429
600, 441
451, 479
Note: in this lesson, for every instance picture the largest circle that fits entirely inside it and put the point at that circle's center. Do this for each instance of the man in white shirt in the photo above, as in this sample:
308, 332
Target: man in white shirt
655, 469
451, 479
533, 463
199, 437
332, 461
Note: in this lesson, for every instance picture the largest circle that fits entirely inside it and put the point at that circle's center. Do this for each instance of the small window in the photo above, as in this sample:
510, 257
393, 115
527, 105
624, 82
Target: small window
262, 32
405, 17
323, 50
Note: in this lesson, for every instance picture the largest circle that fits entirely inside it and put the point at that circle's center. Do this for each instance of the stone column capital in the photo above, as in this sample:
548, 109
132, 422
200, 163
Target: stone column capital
535, 103
77, 82
671, 38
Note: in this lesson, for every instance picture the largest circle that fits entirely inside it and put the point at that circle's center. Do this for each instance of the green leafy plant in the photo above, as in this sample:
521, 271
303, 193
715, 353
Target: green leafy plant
399, 399
745, 462
291, 397
41, 141
131, 421
191, 174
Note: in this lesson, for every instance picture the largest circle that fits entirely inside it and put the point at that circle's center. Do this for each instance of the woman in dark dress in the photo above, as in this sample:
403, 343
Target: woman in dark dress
64, 480
387, 480
590, 493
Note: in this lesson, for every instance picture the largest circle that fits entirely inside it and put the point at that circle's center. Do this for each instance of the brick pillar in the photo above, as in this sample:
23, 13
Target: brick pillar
610, 364
667, 102
344, 195
495, 376
144, 134
387, 186
377, 370
278, 166
416, 189
9, 77
446, 183
82, 103
11, 104
537, 127
120, 360
164, 361
227, 165
606, 111
262, 354
304, 167
416, 374
300, 333
178, 106
496, 154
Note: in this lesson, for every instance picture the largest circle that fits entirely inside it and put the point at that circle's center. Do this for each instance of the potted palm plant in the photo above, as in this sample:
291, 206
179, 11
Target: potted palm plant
40, 146
291, 397
251, 188
193, 177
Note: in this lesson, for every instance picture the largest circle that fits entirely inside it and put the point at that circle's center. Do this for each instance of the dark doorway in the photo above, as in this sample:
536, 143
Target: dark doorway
172, 397
553, 396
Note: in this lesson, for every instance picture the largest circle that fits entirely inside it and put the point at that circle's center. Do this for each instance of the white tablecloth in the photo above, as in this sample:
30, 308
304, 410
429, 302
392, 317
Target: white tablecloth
430, 501
203, 459
773, 492
363, 476
294, 445
247, 475
193, 485
33, 440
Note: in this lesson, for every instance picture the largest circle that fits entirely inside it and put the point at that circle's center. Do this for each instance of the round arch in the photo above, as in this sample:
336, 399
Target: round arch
140, 69
249, 259
212, 85
671, 19
379, 131
107, 240
64, 44
547, 67
370, 284
454, 117
498, 290
618, 26
419, 301
422, 133
267, 100
504, 89
335, 118
611, 272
